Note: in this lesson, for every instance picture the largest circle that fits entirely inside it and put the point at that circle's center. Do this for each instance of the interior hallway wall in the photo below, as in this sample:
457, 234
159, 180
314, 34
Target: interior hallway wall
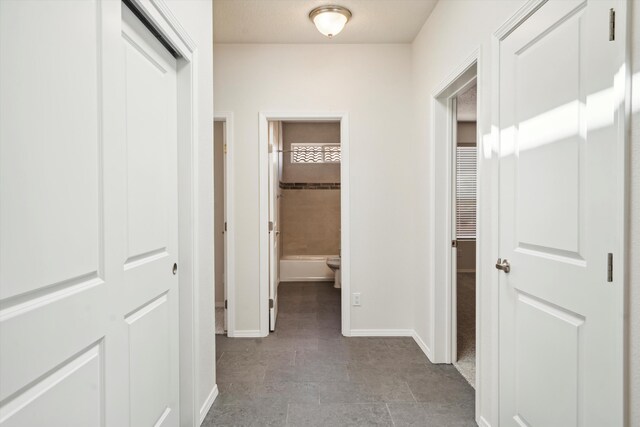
438, 51
196, 16
634, 253
372, 83
218, 221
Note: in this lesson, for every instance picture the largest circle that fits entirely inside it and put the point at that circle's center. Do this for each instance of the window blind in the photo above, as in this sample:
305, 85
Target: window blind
466, 161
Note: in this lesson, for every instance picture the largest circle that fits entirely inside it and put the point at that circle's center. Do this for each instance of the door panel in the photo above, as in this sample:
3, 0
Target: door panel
149, 347
560, 320
72, 389
44, 137
151, 226
52, 279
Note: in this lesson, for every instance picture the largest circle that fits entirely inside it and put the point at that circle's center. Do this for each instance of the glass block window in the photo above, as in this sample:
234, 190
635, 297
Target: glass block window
315, 153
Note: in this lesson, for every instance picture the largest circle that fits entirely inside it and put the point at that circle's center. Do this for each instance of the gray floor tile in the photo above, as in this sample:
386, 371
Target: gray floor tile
432, 414
327, 372
249, 415
333, 415
442, 389
307, 374
365, 392
282, 392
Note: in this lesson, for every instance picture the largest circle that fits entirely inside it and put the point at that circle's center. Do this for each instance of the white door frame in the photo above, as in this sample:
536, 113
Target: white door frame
229, 242
443, 277
345, 263
158, 14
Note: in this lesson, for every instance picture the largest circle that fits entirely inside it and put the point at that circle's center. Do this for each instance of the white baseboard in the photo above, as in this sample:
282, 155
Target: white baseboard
382, 332
483, 423
247, 333
423, 346
208, 403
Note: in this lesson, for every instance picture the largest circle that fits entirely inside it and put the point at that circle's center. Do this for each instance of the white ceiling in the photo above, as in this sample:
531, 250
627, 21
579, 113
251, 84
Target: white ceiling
287, 21
467, 105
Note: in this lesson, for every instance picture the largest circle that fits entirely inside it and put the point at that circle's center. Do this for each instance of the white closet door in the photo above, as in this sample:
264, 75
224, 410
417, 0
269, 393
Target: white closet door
561, 320
88, 218
53, 286
151, 227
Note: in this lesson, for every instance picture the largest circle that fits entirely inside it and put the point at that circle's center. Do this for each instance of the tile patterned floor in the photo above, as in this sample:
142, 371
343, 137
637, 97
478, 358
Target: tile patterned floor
308, 374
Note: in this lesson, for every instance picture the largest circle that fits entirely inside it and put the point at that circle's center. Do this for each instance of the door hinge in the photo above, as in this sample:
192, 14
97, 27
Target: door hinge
612, 24
271, 303
225, 148
454, 243
226, 305
270, 148
609, 267
225, 226
270, 225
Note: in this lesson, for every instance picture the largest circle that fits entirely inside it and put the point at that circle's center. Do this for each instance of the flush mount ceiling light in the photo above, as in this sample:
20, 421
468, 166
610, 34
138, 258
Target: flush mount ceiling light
330, 20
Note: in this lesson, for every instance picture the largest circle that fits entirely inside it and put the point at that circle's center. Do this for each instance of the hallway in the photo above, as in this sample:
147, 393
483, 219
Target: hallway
308, 374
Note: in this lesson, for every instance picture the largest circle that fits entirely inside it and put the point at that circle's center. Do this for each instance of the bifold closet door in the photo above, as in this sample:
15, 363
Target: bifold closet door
88, 222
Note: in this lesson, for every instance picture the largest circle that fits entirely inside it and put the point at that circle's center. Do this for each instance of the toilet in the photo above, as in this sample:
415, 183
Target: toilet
334, 264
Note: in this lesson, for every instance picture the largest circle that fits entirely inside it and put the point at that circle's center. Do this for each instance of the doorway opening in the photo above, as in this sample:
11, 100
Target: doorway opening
304, 242
456, 287
464, 200
304, 215
219, 144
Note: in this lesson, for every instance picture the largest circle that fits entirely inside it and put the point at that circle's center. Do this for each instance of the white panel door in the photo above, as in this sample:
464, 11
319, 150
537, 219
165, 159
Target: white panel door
561, 321
53, 286
88, 222
151, 236
274, 228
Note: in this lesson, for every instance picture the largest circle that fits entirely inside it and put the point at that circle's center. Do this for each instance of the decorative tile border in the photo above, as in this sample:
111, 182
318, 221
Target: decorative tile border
310, 185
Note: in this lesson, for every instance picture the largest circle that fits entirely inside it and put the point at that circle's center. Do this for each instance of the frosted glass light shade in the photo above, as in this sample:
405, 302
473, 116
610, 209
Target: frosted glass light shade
330, 20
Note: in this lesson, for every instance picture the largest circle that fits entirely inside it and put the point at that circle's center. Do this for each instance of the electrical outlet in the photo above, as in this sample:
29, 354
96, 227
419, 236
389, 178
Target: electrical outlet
355, 300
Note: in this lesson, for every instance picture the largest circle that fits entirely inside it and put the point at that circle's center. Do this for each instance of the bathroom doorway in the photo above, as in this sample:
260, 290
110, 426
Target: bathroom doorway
464, 200
304, 244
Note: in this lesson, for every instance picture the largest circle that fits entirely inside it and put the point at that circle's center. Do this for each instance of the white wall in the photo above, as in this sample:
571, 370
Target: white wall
373, 84
197, 16
634, 232
437, 51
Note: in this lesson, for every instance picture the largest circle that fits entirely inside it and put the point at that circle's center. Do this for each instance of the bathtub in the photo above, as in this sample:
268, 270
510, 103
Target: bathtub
305, 268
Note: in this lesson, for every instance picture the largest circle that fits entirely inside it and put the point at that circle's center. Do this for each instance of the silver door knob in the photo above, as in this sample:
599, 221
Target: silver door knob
503, 265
